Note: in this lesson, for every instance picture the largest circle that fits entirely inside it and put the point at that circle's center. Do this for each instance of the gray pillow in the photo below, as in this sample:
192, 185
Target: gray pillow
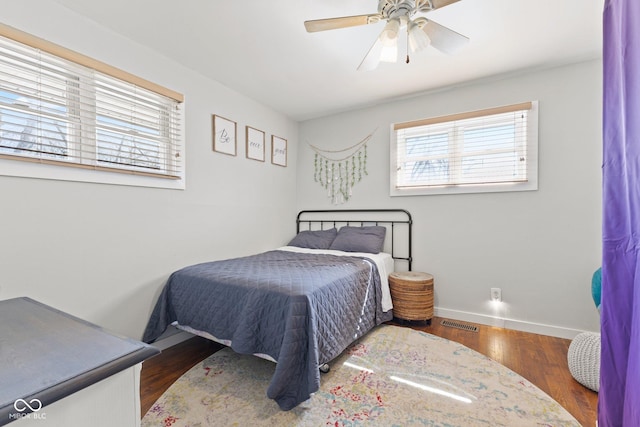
316, 239
360, 239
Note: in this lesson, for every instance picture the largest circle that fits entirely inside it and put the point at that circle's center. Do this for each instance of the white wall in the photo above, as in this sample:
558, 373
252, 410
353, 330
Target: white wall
102, 252
540, 247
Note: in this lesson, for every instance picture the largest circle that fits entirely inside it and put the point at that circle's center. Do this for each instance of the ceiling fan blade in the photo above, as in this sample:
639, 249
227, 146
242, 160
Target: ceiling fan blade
437, 4
372, 58
343, 22
443, 38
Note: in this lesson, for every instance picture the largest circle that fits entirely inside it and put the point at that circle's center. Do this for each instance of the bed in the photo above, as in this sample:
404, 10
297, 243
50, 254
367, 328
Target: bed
299, 305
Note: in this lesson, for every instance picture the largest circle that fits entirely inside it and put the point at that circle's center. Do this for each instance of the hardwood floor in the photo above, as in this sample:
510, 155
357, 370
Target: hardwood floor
159, 372
540, 359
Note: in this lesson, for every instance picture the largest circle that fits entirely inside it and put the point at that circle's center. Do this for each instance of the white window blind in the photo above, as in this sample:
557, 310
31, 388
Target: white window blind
488, 150
59, 112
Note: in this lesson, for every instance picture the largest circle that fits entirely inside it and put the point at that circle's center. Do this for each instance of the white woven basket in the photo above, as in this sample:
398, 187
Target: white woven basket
584, 359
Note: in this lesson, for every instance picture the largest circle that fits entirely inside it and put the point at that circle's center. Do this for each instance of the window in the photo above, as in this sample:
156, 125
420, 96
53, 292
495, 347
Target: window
66, 110
481, 151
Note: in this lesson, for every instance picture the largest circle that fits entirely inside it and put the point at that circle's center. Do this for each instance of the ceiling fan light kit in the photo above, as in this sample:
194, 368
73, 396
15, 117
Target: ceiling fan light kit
390, 32
399, 14
418, 39
389, 40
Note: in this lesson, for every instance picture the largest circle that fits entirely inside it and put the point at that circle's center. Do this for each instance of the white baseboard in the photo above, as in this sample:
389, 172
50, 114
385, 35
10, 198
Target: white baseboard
518, 325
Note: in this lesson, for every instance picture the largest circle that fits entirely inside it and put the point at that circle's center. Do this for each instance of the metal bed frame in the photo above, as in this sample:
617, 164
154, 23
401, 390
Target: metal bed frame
318, 219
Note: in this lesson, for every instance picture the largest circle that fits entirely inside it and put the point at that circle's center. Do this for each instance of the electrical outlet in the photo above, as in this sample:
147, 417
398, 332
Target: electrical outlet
496, 294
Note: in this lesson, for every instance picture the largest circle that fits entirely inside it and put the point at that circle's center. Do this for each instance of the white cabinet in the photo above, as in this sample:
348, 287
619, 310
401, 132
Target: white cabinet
60, 371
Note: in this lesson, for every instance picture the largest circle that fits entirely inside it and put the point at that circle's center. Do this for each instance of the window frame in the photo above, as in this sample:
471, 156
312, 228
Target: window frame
170, 173
446, 123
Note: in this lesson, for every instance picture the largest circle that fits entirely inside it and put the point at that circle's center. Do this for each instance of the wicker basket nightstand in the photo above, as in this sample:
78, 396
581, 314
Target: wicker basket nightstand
412, 295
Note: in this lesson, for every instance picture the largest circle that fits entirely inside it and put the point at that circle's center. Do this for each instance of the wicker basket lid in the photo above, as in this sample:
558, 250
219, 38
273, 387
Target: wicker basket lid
411, 276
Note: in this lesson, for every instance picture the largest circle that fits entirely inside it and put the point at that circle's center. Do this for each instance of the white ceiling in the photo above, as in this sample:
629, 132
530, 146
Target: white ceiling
261, 49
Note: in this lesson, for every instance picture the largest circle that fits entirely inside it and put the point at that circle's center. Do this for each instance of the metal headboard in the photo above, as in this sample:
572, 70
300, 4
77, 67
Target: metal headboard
393, 219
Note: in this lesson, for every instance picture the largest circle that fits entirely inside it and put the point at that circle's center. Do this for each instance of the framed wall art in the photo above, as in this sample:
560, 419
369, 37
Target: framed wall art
278, 151
255, 144
224, 135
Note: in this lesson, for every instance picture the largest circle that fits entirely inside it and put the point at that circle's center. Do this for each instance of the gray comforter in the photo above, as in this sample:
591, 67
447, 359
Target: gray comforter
301, 309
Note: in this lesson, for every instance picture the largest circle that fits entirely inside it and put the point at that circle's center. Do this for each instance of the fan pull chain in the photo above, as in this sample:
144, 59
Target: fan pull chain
408, 26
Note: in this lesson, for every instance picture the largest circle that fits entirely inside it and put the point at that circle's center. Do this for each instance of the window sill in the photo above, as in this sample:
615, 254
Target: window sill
464, 189
44, 171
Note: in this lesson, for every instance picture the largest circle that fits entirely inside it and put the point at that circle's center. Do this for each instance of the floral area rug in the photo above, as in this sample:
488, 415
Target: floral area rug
393, 376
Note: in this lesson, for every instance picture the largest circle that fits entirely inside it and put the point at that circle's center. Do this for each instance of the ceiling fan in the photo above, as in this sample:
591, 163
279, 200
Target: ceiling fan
399, 14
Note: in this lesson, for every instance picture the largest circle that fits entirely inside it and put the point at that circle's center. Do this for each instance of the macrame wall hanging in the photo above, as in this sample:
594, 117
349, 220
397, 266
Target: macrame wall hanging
339, 170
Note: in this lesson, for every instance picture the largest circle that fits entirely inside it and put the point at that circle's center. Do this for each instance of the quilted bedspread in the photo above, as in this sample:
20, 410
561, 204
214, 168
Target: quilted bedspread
301, 309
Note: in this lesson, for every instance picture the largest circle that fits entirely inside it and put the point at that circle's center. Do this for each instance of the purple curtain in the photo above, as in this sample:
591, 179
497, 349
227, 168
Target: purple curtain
619, 396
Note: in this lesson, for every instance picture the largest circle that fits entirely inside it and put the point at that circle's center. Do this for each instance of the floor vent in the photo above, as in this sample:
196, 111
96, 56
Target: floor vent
464, 326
